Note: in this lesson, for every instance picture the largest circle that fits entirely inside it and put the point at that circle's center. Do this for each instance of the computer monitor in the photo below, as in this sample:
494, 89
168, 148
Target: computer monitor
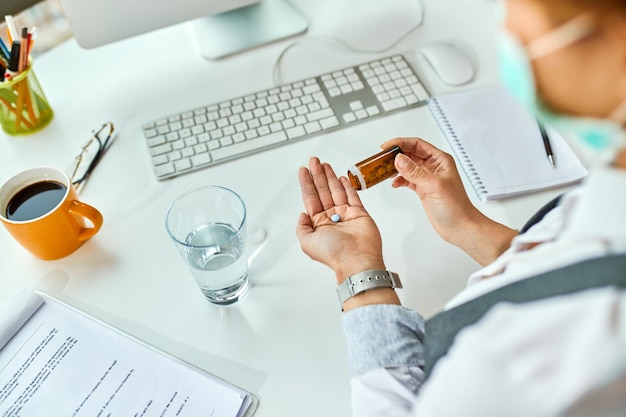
220, 27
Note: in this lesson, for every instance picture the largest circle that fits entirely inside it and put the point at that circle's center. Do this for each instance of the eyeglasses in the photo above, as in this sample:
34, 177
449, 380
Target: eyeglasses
91, 153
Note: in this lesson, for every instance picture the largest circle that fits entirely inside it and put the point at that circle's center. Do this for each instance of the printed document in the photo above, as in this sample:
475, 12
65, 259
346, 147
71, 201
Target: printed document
63, 363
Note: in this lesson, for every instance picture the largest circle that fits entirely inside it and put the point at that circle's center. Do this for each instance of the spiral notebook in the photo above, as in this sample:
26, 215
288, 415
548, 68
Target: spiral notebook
499, 145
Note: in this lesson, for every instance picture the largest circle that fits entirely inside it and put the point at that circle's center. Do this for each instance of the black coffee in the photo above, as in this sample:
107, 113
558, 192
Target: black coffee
35, 200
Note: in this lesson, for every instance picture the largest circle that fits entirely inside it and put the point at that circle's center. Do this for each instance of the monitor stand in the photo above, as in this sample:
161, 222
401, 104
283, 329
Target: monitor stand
227, 33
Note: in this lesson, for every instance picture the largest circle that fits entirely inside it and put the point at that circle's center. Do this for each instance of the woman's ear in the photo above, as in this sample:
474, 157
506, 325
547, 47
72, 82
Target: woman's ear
616, 24
620, 159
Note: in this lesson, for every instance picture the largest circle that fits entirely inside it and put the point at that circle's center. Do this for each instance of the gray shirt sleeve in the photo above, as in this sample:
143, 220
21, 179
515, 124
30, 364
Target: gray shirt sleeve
383, 336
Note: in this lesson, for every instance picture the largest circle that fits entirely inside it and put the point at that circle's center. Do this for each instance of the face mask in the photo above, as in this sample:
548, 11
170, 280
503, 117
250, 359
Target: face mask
602, 136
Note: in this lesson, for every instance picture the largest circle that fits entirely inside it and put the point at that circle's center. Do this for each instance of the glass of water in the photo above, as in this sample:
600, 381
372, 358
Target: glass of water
208, 226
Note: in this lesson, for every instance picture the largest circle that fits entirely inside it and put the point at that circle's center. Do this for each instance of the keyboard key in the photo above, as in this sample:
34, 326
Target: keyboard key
361, 114
160, 159
334, 92
420, 92
372, 110
312, 127
182, 165
163, 170
356, 105
329, 122
263, 130
159, 140
161, 149
320, 114
349, 117
201, 159
394, 104
295, 132
310, 89
411, 99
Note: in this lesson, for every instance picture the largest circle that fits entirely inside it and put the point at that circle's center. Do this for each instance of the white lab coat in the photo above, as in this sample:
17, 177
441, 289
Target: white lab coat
532, 359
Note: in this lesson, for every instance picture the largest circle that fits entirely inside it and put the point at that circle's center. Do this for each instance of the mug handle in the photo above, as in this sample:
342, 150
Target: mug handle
91, 214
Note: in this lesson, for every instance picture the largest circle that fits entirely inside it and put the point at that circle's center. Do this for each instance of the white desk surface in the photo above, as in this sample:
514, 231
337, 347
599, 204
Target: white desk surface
284, 341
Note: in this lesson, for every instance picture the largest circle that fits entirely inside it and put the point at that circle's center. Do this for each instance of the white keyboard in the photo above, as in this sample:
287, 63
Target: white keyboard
234, 128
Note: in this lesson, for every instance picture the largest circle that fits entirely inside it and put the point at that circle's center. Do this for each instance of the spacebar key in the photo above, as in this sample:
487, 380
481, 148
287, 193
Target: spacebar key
250, 145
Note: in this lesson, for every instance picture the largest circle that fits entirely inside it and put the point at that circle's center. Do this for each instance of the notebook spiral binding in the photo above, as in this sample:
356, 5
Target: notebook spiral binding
456, 144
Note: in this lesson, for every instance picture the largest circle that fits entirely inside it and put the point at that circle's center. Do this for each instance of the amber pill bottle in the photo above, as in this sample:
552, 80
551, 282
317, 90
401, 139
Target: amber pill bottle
374, 169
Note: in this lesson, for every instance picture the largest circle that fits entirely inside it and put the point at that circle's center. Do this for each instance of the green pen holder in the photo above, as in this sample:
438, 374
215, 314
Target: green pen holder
23, 105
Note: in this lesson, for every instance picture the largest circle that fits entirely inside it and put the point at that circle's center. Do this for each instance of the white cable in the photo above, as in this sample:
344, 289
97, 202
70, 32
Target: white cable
341, 45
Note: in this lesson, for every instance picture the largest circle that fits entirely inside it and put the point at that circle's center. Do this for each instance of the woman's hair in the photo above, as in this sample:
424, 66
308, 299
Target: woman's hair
610, 6
563, 10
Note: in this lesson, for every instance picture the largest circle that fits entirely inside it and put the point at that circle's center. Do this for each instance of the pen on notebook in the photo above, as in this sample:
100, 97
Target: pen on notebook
546, 143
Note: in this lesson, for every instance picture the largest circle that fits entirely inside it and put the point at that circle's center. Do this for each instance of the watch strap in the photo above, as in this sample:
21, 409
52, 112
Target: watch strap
367, 280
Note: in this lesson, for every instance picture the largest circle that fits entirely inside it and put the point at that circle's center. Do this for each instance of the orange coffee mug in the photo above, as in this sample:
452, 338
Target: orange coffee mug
39, 207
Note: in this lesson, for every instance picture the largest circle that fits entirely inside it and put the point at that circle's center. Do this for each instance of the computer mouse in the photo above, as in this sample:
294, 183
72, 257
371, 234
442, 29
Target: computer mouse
450, 63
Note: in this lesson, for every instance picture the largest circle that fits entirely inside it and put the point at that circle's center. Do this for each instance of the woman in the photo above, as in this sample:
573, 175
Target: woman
563, 354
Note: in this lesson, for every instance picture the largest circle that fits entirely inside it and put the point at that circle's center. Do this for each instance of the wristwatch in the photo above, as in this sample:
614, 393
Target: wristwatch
367, 280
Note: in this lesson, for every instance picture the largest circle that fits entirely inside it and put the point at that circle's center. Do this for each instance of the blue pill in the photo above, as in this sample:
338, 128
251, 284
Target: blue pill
335, 217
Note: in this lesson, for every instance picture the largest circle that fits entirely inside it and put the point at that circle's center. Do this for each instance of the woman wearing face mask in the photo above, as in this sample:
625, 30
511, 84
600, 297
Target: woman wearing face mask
558, 347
